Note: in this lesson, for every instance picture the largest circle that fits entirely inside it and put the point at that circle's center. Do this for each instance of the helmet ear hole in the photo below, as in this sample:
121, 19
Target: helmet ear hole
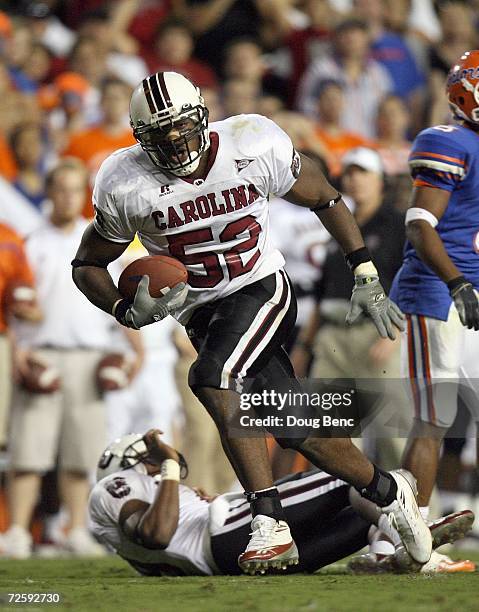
461, 100
125, 452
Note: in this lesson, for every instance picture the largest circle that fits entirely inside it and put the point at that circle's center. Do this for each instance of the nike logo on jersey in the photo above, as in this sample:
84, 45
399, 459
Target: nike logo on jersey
205, 206
241, 164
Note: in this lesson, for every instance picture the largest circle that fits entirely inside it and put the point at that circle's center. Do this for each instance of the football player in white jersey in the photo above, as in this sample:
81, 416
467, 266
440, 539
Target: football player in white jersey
200, 193
139, 509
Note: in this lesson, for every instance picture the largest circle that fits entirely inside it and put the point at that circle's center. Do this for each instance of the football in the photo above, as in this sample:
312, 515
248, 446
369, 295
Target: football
40, 376
164, 272
18, 293
112, 372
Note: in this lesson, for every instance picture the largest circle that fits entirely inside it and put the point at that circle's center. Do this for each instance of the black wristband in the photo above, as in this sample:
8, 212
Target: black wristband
457, 282
357, 257
329, 204
80, 263
120, 311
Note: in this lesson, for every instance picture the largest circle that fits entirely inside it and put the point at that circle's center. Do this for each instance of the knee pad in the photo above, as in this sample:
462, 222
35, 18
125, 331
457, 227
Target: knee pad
206, 371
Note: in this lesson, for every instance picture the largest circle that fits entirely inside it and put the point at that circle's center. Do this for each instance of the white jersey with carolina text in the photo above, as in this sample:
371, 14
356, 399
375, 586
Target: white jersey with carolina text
217, 226
187, 551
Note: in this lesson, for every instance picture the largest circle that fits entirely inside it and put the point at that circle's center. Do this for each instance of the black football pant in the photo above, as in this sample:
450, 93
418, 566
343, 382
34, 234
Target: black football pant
323, 524
239, 340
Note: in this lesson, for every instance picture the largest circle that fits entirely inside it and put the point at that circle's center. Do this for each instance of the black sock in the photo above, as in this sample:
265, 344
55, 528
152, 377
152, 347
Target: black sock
266, 502
381, 490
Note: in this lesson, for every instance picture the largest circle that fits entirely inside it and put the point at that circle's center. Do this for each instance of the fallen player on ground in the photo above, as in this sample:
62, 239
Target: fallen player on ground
139, 509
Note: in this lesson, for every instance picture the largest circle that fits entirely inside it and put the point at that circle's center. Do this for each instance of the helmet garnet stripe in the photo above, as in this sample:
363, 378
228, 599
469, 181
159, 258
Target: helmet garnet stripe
160, 77
162, 99
149, 97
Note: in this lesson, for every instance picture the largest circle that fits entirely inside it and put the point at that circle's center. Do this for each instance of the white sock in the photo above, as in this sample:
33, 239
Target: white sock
382, 547
424, 510
379, 543
388, 531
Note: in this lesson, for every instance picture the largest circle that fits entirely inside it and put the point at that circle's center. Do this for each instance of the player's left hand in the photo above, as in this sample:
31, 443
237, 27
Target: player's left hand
158, 451
466, 302
369, 299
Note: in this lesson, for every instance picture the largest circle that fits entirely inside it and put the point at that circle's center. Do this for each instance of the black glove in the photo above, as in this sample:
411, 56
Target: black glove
465, 299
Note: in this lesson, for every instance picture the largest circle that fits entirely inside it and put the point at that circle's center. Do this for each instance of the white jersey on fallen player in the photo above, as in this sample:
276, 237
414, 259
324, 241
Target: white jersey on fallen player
187, 550
217, 226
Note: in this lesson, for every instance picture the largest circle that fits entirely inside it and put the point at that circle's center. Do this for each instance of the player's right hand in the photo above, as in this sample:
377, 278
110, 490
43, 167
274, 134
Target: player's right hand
146, 309
466, 302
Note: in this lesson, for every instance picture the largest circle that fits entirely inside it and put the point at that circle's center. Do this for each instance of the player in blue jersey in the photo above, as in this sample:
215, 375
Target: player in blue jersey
436, 284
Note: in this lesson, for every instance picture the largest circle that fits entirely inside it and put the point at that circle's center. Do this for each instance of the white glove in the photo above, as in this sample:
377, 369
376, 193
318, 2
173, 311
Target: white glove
146, 309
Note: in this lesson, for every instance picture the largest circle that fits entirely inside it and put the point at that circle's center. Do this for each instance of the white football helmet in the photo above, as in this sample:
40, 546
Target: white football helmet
164, 101
126, 452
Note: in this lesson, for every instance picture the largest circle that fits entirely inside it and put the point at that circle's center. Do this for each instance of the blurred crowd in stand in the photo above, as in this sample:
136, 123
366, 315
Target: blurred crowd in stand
351, 81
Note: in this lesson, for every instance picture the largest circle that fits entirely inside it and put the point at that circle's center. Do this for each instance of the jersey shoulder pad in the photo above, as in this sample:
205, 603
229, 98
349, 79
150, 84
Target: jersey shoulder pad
120, 170
443, 148
253, 135
442, 138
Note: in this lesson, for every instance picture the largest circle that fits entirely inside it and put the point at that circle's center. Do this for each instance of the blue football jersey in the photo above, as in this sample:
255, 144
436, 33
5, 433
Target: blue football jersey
445, 157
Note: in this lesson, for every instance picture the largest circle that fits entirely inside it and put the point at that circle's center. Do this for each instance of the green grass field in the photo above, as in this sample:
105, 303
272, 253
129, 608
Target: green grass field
109, 585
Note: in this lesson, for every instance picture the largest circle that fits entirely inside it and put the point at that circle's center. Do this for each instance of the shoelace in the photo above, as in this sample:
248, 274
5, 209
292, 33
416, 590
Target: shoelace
402, 527
260, 536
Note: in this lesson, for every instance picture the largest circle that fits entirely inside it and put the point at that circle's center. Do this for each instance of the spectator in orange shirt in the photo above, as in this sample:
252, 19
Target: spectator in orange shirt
17, 298
393, 122
8, 167
94, 145
335, 139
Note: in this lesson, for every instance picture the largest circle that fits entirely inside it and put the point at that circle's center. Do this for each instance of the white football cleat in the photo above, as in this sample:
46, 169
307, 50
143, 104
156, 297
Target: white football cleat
442, 564
445, 530
450, 528
403, 514
401, 562
80, 543
16, 543
270, 547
